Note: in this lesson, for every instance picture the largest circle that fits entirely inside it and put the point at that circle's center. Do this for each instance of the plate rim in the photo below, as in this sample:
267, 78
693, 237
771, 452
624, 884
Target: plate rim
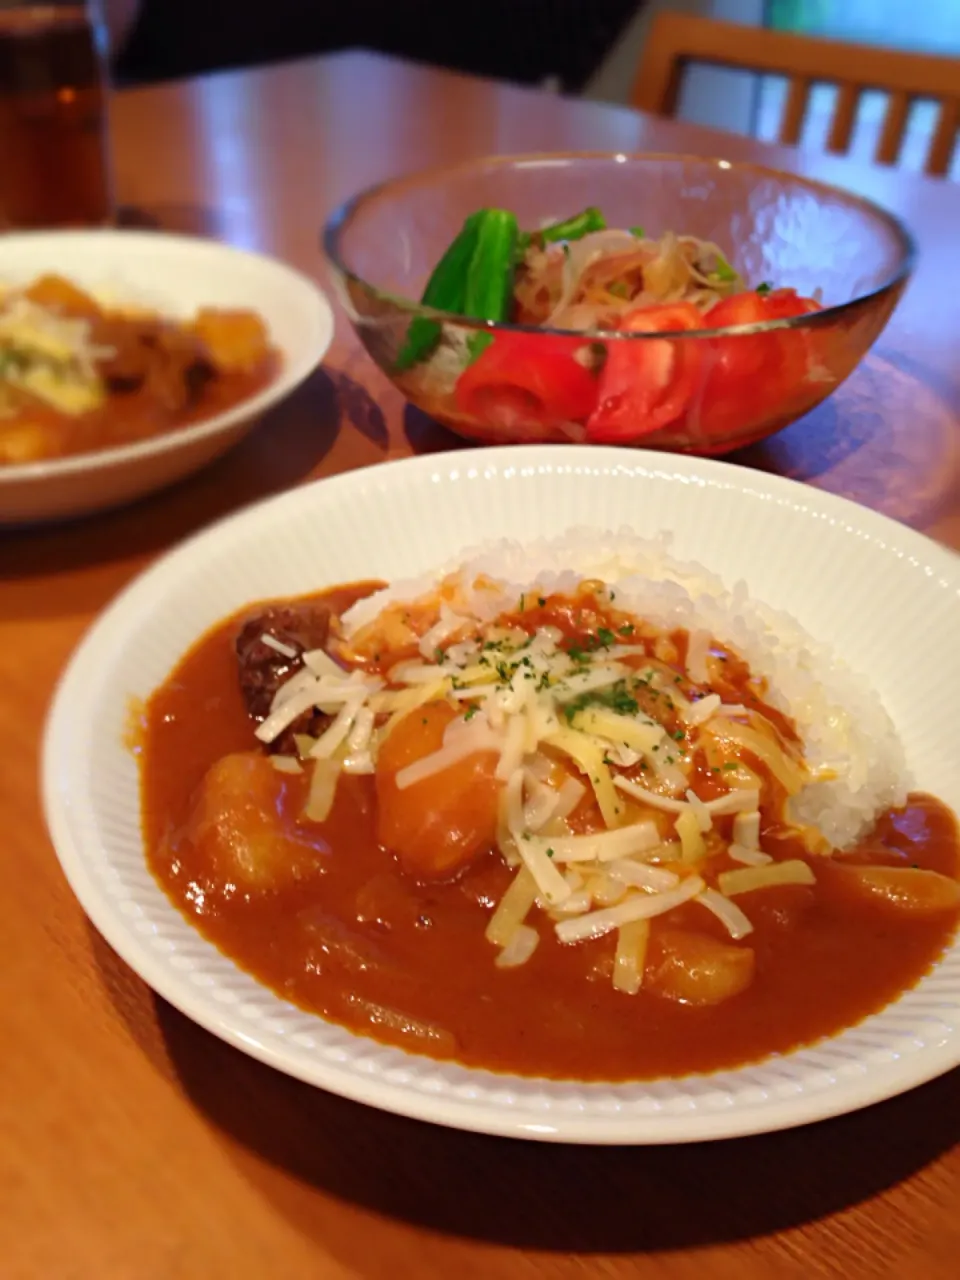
371, 1088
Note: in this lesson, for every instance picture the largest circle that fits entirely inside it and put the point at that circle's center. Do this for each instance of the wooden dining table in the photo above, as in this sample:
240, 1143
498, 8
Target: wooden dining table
136, 1146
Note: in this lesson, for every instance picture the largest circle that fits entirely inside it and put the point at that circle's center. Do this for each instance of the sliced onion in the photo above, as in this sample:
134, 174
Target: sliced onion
582, 254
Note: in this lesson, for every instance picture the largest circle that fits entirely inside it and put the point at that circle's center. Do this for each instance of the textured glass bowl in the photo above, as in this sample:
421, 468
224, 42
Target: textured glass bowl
774, 226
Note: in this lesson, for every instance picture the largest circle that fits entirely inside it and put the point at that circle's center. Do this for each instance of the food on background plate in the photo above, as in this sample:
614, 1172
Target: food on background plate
77, 375
580, 277
572, 810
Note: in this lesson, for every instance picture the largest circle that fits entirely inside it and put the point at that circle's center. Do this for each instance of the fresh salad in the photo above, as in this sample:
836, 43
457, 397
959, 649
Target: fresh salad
586, 279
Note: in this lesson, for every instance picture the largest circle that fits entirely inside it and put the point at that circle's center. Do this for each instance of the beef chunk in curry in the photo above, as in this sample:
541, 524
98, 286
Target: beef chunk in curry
169, 363
263, 669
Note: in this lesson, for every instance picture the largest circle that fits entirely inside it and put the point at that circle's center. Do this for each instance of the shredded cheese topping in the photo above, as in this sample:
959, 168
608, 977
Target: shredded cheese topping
49, 355
613, 724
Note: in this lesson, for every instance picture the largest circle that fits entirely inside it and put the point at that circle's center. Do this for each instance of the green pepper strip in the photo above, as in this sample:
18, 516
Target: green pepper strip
575, 228
446, 290
490, 276
724, 271
473, 278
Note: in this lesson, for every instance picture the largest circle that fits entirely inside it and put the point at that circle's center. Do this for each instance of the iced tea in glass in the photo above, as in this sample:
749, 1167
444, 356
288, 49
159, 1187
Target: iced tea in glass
54, 158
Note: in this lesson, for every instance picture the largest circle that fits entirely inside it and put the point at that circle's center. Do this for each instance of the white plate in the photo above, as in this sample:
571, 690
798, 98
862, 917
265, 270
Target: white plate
173, 275
884, 596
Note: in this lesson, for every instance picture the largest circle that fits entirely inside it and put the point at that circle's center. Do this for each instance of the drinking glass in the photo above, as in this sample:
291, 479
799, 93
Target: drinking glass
54, 154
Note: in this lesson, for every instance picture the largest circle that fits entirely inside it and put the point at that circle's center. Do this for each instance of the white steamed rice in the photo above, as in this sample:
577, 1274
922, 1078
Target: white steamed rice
843, 724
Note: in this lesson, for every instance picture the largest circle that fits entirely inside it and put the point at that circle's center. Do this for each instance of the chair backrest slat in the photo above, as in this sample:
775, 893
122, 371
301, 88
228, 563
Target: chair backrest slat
795, 112
844, 118
944, 138
894, 127
677, 40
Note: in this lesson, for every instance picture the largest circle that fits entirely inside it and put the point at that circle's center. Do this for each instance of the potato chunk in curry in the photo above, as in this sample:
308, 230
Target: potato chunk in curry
695, 969
234, 825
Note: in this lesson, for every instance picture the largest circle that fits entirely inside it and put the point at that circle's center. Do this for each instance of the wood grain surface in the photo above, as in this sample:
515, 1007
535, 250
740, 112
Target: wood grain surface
133, 1145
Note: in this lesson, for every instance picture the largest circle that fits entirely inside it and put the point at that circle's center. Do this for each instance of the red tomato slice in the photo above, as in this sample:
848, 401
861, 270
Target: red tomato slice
525, 379
751, 378
647, 385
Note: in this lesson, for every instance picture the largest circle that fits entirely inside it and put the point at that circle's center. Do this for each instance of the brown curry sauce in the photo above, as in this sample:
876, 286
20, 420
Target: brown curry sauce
364, 946
157, 376
138, 415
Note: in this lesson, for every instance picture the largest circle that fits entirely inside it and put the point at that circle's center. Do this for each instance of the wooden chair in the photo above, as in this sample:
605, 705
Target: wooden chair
677, 40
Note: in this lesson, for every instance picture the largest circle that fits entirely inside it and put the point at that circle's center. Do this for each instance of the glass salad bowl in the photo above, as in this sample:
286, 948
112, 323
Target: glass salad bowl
785, 285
